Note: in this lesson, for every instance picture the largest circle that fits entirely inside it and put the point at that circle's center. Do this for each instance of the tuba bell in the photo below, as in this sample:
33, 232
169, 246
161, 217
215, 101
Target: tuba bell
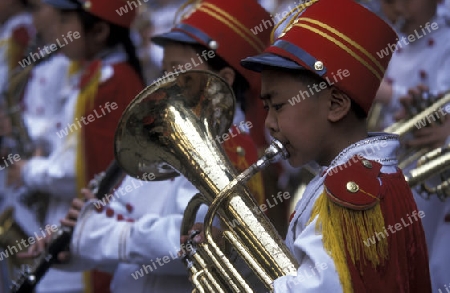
172, 127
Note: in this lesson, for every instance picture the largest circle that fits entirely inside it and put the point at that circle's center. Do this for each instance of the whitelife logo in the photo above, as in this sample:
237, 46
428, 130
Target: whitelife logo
49, 49
130, 4
316, 88
411, 38
90, 118
266, 23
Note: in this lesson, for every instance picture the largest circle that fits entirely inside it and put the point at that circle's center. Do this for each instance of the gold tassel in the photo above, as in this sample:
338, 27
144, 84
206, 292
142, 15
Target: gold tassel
74, 67
337, 222
85, 101
13, 53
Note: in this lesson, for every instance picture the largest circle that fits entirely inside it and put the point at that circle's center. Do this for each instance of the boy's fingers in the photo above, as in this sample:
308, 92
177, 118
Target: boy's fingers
33, 251
77, 204
72, 214
25, 255
64, 256
68, 222
87, 194
184, 239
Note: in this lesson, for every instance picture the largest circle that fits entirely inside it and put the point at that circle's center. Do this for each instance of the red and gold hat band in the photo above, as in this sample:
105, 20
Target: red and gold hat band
234, 24
344, 42
301, 54
197, 34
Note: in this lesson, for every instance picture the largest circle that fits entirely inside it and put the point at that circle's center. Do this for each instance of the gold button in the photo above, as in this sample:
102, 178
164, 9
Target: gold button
352, 187
87, 5
240, 151
318, 65
367, 164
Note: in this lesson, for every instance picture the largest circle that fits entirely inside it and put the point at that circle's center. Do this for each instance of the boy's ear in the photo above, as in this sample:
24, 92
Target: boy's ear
228, 74
100, 32
340, 105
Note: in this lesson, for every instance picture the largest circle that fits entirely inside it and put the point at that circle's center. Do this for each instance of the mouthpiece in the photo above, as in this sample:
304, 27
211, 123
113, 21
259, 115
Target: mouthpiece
275, 152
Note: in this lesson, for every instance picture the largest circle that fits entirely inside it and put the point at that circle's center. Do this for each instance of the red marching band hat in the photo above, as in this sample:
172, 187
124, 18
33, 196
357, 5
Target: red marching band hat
115, 11
331, 36
119, 12
227, 27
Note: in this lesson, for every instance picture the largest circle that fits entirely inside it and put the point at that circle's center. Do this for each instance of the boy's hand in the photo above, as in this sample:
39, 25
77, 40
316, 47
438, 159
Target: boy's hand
200, 235
5, 124
40, 247
77, 204
199, 238
435, 133
70, 221
72, 215
433, 136
409, 102
36, 249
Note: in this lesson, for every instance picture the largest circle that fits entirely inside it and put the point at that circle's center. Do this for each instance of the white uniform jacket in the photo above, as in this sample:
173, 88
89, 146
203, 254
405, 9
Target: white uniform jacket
317, 271
41, 104
136, 234
56, 174
426, 61
42, 100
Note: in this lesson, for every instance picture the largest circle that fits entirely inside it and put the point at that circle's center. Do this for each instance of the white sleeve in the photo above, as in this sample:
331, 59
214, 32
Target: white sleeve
397, 93
443, 76
55, 174
99, 241
317, 272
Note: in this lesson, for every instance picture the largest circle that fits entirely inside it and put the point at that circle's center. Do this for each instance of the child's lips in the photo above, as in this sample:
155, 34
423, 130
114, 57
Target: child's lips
287, 146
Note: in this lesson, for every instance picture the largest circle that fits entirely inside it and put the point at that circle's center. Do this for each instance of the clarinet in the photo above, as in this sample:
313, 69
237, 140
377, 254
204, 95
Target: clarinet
29, 278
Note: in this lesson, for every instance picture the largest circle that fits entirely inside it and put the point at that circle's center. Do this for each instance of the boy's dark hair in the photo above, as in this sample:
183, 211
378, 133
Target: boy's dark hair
117, 35
240, 85
310, 78
25, 3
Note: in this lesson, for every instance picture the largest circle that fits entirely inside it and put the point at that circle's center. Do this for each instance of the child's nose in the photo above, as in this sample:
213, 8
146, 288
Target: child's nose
271, 122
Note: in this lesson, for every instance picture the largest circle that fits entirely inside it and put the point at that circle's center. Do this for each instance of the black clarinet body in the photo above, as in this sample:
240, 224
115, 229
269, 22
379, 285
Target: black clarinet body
29, 278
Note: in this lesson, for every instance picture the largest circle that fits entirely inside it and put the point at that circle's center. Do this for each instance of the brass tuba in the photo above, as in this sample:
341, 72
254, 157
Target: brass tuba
434, 163
173, 126
426, 114
10, 233
430, 163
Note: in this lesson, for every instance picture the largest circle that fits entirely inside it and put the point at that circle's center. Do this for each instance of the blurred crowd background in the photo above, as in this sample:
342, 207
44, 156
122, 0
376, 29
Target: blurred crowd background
157, 16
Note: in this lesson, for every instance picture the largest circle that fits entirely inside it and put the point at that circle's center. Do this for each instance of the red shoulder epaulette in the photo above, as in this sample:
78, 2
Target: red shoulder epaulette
354, 184
21, 36
90, 72
242, 152
240, 148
